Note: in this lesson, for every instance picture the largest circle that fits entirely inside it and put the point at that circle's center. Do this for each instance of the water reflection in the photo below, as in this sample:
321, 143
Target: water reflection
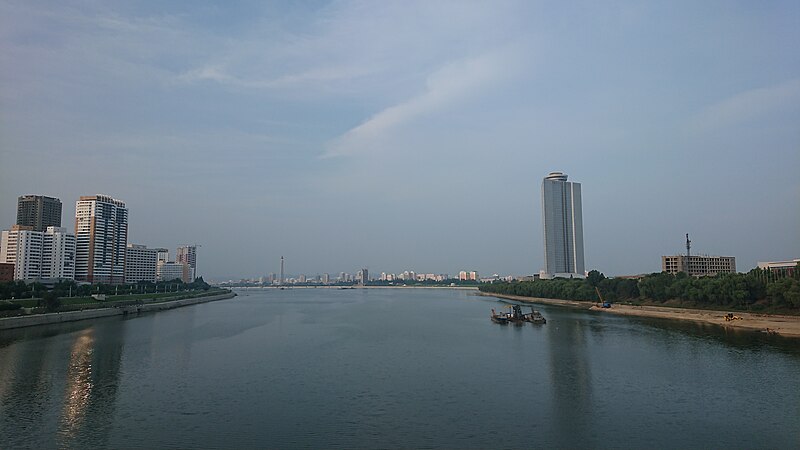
570, 380
93, 378
79, 384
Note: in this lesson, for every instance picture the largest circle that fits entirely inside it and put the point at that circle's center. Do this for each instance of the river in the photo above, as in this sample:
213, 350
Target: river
393, 368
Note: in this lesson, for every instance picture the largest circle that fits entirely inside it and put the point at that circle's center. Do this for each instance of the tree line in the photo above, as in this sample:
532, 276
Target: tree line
756, 290
69, 288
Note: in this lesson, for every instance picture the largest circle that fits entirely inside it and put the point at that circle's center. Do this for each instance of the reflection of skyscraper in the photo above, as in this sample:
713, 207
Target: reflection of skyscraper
563, 227
101, 234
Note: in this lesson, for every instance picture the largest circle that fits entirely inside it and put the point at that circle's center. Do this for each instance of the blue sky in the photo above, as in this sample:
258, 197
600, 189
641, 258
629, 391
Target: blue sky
410, 135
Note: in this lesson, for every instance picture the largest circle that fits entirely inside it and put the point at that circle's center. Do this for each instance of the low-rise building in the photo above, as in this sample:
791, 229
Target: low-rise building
781, 268
6, 272
141, 263
168, 271
697, 265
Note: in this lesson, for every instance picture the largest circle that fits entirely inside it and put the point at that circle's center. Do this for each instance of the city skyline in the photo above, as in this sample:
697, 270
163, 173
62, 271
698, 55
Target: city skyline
413, 134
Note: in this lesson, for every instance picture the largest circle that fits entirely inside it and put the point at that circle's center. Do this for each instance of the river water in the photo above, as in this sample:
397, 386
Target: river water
410, 368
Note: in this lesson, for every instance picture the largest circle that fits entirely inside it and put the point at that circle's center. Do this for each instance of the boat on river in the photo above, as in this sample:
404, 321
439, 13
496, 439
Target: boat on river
516, 316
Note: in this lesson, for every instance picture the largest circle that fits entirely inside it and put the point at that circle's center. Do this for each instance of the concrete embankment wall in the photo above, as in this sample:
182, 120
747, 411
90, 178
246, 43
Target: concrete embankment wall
72, 316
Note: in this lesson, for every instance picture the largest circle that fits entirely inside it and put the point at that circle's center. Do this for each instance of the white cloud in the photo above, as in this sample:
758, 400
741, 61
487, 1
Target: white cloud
749, 105
449, 84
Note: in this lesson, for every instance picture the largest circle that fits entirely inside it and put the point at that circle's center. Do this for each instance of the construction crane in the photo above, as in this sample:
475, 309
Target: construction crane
604, 303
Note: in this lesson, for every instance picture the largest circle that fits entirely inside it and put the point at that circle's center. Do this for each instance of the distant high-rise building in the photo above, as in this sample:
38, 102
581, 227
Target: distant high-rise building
562, 217
162, 254
141, 263
38, 212
326, 278
101, 232
362, 276
280, 280
187, 254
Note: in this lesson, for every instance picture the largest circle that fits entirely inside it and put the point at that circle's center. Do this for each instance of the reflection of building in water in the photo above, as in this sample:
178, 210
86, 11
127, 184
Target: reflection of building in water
79, 384
91, 389
571, 381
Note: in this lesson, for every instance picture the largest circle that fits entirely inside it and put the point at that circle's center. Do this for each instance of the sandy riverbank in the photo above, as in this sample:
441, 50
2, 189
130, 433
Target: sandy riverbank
788, 326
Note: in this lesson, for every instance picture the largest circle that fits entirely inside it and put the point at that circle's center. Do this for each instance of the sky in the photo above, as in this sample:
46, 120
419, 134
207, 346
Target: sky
410, 135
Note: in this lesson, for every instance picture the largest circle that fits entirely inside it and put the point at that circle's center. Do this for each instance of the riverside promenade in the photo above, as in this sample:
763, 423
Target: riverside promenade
8, 323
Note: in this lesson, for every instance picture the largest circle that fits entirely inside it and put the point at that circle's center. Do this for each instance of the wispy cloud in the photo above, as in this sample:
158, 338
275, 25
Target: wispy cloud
749, 105
446, 86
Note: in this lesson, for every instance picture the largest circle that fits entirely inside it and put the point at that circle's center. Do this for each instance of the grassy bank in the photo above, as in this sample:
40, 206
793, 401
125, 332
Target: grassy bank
36, 305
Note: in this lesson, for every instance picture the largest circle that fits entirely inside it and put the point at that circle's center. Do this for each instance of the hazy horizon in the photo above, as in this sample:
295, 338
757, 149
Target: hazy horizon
409, 135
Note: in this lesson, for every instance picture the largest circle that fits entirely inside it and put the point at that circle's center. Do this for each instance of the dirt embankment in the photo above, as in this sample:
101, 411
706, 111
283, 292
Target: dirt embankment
788, 326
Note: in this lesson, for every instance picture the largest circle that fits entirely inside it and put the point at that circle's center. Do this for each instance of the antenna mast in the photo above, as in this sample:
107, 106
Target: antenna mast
688, 253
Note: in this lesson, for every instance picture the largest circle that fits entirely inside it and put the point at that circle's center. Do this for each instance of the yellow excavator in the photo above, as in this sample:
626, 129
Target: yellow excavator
730, 317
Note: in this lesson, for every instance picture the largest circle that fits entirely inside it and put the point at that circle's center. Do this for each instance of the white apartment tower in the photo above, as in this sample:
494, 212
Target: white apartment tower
36, 254
22, 246
562, 218
101, 233
58, 253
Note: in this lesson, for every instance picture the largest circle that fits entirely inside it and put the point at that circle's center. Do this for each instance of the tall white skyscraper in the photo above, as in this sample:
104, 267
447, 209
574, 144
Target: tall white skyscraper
563, 227
101, 235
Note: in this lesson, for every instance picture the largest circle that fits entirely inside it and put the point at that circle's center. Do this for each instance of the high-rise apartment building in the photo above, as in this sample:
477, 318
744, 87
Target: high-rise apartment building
140, 263
58, 253
101, 232
562, 218
38, 255
38, 212
187, 254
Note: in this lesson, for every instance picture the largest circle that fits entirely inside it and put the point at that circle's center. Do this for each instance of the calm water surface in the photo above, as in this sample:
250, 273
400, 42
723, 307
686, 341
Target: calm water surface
393, 368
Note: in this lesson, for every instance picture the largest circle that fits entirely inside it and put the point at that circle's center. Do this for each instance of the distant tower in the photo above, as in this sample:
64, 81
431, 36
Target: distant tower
563, 227
101, 236
280, 280
39, 212
688, 253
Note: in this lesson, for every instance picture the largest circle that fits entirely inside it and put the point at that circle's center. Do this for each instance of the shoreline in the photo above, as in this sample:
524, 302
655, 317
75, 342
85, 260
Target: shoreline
463, 288
786, 326
10, 323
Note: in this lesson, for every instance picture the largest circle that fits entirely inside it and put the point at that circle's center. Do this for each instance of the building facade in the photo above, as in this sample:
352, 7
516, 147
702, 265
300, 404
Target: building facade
6, 272
38, 212
168, 271
101, 233
22, 246
696, 265
187, 254
36, 255
58, 254
141, 263
562, 218
781, 268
